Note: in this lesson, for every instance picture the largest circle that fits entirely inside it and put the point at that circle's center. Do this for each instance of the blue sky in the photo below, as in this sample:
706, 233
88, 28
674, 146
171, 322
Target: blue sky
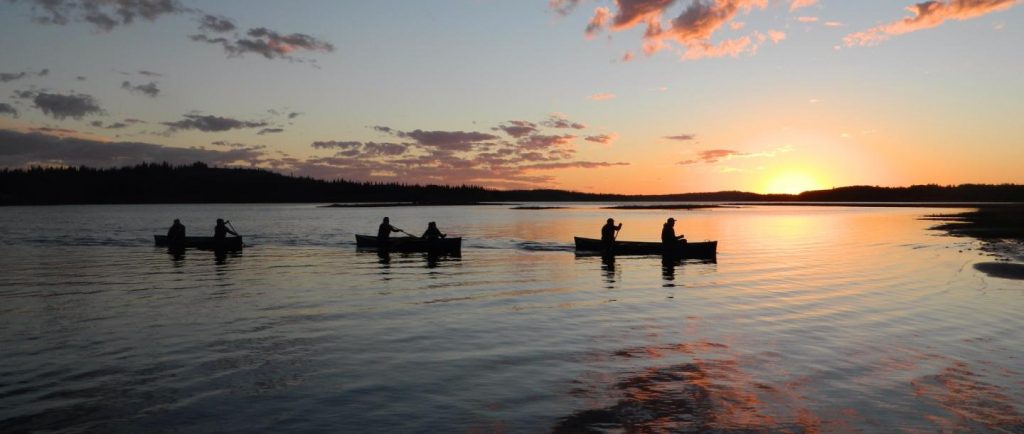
930, 103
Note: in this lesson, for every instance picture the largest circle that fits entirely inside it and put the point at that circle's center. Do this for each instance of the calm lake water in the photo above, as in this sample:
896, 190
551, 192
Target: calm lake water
812, 319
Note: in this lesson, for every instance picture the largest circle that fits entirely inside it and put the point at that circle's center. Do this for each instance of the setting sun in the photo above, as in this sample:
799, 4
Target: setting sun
791, 183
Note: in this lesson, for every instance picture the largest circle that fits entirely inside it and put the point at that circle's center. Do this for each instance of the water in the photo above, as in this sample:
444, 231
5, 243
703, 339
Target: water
812, 319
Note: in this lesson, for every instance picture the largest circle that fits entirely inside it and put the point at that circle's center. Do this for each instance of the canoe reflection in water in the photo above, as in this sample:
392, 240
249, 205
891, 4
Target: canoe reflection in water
432, 259
220, 256
608, 270
668, 270
203, 243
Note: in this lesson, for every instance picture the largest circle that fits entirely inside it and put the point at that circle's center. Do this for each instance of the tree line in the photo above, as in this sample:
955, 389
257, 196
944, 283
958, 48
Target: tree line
200, 183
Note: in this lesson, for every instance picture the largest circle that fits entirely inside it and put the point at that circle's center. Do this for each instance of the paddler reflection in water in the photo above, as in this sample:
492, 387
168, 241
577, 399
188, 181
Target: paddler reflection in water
221, 231
668, 234
177, 232
433, 233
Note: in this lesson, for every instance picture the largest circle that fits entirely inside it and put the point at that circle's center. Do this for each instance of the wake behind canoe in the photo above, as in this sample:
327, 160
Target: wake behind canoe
697, 250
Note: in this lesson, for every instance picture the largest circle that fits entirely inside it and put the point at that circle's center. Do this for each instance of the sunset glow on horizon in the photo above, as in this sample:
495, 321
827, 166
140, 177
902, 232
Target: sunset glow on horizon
634, 97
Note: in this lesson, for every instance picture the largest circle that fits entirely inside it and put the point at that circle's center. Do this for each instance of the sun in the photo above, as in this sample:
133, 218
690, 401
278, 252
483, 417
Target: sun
791, 183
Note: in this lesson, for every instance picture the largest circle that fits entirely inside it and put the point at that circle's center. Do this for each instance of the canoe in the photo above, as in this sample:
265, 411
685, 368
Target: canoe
210, 243
689, 250
412, 244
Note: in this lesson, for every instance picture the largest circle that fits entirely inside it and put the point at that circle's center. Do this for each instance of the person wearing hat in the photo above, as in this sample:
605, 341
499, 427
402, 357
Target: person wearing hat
668, 234
221, 231
608, 235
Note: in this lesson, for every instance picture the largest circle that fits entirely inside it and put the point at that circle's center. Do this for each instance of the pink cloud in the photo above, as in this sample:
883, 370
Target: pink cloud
604, 96
632, 12
927, 15
598, 21
604, 139
712, 156
807, 19
797, 4
691, 30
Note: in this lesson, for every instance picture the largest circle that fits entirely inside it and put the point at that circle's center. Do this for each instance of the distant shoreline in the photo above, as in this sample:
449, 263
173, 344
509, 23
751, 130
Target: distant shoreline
397, 204
666, 206
151, 183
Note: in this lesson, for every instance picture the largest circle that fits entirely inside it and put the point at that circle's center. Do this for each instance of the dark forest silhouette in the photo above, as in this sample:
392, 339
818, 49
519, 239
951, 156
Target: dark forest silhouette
199, 183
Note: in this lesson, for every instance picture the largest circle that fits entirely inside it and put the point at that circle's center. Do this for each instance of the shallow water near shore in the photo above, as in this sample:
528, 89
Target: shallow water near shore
811, 319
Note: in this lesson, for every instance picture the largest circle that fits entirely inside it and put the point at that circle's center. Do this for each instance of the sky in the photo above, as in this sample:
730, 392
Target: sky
621, 96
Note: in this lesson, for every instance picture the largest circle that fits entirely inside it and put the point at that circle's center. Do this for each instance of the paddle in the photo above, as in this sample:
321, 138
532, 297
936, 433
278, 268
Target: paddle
404, 232
228, 222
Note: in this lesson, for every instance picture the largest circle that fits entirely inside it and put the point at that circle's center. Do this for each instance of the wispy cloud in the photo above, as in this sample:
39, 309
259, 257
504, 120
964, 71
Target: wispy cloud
110, 126
797, 4
8, 110
716, 155
558, 120
19, 149
563, 7
517, 129
267, 43
711, 156
691, 30
62, 106
210, 123
216, 24
603, 96
927, 15
11, 76
604, 139
149, 89
682, 137
104, 15
516, 156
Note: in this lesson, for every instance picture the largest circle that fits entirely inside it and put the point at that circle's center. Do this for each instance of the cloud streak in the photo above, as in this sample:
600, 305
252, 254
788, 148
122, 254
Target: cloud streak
210, 123
25, 149
149, 89
11, 76
267, 43
8, 110
691, 31
927, 15
62, 106
104, 15
715, 155
517, 155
